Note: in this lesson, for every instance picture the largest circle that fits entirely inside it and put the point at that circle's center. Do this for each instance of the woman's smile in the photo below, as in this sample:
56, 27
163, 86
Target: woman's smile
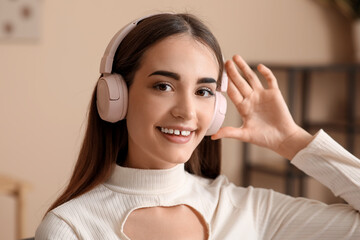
176, 134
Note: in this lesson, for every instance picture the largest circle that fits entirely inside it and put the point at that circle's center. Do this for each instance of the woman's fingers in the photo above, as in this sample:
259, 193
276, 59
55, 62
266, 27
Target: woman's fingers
249, 74
233, 94
240, 83
269, 76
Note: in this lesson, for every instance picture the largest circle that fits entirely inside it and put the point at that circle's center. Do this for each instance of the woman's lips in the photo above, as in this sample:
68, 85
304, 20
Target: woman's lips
176, 135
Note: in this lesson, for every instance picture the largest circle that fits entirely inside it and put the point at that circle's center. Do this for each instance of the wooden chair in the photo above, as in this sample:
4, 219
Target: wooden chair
16, 189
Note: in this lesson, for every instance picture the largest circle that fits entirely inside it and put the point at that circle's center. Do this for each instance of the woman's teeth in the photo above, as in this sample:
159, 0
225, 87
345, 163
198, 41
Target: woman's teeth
175, 132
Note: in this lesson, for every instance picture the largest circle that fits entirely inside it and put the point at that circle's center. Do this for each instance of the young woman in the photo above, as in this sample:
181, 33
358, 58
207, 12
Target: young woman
148, 170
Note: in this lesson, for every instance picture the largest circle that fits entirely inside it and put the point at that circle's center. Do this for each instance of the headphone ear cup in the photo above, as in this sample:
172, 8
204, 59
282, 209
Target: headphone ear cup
219, 114
112, 98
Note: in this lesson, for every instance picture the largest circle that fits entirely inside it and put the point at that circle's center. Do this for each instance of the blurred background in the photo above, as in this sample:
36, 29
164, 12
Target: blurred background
49, 59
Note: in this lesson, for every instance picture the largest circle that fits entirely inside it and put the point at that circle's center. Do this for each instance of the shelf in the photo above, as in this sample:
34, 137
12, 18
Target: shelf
341, 126
346, 67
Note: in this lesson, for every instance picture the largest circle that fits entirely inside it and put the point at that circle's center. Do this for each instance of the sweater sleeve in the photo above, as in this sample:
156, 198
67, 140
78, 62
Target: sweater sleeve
52, 228
284, 217
329, 163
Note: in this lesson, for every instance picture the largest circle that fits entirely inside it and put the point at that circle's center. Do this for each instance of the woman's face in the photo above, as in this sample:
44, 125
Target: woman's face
171, 102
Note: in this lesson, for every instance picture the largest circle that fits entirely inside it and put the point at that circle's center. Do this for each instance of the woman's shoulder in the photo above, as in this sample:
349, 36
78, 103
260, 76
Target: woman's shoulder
54, 227
68, 216
90, 200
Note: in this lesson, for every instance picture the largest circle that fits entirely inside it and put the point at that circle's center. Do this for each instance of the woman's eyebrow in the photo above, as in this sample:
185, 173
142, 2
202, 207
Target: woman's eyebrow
166, 74
206, 80
177, 76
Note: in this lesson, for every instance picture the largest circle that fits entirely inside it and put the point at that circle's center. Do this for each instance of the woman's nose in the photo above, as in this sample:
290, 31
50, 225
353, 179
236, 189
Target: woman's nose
184, 107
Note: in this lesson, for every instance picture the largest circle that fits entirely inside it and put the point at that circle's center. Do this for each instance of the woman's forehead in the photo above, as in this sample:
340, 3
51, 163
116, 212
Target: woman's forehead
181, 52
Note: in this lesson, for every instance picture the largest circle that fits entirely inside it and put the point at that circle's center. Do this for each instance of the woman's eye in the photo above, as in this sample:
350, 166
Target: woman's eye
205, 92
163, 87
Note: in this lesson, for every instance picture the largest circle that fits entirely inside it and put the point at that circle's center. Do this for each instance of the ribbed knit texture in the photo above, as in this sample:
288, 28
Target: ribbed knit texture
334, 167
230, 212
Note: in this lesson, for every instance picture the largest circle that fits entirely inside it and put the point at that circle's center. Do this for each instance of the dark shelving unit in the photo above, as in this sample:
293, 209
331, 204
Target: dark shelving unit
298, 80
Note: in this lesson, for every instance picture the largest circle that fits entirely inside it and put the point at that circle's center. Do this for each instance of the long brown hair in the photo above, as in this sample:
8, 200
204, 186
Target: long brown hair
106, 143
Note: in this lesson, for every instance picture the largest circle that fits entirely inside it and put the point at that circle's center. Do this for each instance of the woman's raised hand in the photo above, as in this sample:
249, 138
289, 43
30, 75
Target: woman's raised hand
267, 121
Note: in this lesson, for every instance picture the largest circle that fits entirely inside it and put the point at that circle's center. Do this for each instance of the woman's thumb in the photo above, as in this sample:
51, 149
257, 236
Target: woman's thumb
228, 132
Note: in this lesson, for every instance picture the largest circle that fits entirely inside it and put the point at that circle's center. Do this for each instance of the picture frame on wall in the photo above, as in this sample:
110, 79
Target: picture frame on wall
19, 19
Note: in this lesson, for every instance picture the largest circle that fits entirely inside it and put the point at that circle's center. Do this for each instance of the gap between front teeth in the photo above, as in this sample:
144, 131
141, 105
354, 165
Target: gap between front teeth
175, 132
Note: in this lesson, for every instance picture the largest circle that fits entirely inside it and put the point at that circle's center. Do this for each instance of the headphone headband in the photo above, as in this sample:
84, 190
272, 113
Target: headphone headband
108, 58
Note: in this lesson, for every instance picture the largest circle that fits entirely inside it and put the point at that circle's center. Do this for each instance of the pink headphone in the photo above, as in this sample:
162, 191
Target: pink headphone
112, 92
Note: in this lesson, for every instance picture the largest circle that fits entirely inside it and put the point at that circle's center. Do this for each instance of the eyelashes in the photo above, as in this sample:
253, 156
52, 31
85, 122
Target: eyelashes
166, 87
163, 87
205, 92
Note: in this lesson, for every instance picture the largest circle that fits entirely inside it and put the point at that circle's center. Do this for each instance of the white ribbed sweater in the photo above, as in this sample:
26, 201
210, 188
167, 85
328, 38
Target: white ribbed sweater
230, 212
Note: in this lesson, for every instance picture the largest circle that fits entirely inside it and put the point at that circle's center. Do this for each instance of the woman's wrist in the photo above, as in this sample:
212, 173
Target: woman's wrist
296, 141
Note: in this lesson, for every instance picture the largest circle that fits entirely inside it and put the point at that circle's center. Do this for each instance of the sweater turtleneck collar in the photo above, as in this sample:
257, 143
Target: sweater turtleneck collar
147, 181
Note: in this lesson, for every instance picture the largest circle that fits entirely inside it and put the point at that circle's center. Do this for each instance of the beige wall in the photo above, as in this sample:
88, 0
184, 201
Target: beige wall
45, 86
